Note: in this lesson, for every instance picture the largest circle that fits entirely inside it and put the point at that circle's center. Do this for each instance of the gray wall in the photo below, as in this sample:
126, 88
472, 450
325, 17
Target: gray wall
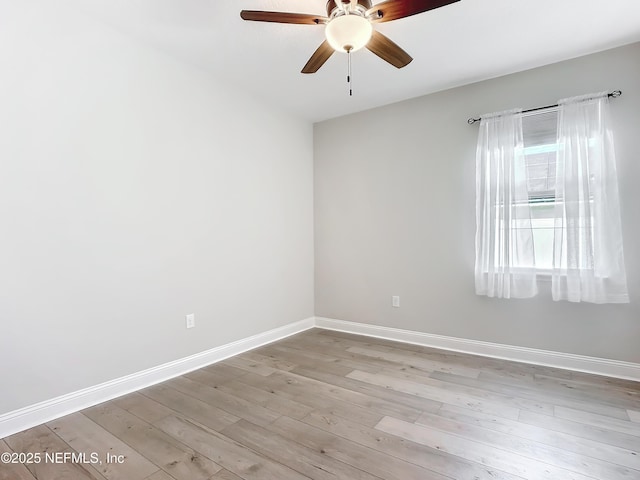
395, 214
135, 190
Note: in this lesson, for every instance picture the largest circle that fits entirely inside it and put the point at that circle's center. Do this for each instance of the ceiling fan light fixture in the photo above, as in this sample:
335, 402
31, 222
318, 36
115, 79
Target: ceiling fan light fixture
348, 33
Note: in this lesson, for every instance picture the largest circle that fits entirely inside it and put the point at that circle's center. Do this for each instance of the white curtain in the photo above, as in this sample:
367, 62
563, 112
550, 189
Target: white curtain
505, 261
588, 261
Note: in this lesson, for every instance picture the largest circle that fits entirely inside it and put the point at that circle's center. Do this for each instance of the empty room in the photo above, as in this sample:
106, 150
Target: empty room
320, 239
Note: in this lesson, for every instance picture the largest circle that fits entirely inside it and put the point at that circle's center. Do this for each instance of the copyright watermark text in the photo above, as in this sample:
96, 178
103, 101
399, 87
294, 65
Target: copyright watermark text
91, 458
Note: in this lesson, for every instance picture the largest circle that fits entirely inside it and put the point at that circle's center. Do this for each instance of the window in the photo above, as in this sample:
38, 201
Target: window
547, 202
540, 150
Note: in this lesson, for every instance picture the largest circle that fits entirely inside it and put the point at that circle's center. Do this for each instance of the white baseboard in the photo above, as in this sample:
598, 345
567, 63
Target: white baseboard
568, 361
19, 420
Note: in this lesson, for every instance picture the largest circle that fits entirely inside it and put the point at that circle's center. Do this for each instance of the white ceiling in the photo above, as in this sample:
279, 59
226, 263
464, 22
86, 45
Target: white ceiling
455, 45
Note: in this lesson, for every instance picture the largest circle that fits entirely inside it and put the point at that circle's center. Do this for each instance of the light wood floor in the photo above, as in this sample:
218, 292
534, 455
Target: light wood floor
327, 405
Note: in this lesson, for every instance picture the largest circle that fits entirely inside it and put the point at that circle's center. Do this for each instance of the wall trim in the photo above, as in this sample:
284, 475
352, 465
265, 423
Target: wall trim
568, 361
42, 412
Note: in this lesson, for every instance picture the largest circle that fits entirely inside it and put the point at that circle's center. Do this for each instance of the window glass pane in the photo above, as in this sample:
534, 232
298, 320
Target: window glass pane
542, 223
539, 131
541, 174
540, 142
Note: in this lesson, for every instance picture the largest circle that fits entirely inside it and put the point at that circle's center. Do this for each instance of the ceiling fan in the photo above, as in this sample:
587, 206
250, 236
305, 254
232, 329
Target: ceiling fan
349, 26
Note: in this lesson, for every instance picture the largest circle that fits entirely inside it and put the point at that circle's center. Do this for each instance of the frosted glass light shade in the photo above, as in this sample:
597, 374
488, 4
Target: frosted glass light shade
348, 32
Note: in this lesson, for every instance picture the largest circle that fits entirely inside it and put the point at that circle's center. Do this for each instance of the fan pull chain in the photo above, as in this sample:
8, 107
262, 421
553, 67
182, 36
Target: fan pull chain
349, 72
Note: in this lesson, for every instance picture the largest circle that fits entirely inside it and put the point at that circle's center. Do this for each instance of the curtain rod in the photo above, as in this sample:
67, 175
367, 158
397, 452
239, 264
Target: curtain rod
614, 94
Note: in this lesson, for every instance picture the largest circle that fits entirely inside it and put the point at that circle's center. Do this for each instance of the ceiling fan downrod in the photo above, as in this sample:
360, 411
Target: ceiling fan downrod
349, 71
346, 6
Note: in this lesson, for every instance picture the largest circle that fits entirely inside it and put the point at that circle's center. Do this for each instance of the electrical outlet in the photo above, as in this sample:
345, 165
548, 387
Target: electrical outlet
395, 302
191, 320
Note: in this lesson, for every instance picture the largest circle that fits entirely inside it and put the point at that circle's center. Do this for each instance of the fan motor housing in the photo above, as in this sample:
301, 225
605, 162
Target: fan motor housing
331, 5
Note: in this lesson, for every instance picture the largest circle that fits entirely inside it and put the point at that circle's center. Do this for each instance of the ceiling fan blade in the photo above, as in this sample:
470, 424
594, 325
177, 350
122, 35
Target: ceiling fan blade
388, 51
318, 58
282, 17
395, 9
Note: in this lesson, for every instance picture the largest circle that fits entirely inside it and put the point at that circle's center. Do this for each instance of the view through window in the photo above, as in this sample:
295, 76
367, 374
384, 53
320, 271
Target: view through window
540, 149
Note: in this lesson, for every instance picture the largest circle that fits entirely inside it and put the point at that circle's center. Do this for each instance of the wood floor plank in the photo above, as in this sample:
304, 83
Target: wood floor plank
225, 371
591, 379
533, 394
225, 475
181, 462
521, 371
375, 391
354, 454
587, 397
505, 368
572, 443
384, 406
86, 436
634, 415
311, 353
449, 358
304, 460
622, 426
268, 400
591, 432
471, 364
208, 378
236, 406
213, 376
143, 407
294, 390
595, 392
490, 395
327, 353
160, 475
43, 440
201, 411
477, 451
534, 449
432, 459
342, 356
269, 361
372, 404
13, 470
304, 358
436, 394
231, 455
250, 366
415, 360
